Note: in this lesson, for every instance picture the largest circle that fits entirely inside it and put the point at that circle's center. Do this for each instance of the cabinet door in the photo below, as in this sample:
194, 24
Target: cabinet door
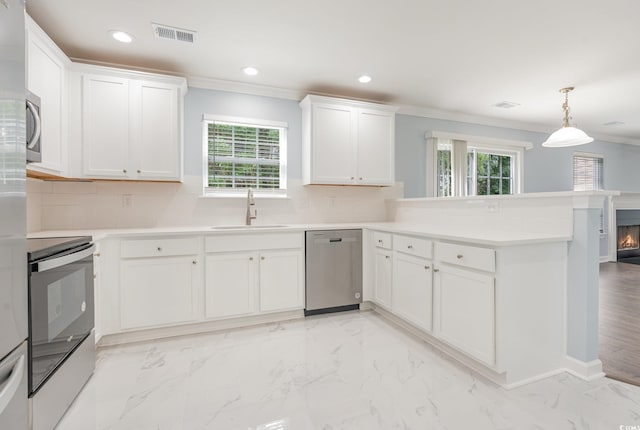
46, 79
105, 127
230, 285
281, 281
158, 291
376, 147
382, 291
333, 145
157, 146
412, 290
465, 311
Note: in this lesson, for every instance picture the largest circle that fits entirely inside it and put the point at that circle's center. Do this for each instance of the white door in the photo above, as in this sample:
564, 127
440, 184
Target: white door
157, 143
412, 290
230, 284
333, 145
105, 127
382, 290
465, 311
158, 291
281, 281
46, 79
376, 147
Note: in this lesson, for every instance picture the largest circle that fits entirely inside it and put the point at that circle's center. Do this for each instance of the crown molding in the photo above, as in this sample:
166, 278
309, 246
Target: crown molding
245, 88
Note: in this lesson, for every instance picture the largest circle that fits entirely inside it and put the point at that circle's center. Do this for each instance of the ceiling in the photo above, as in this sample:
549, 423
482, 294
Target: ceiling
443, 58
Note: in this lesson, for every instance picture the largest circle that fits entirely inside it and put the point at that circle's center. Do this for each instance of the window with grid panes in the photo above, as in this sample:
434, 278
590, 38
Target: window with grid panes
245, 155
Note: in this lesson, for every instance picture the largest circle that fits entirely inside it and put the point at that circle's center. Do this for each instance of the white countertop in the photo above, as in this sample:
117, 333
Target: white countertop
488, 238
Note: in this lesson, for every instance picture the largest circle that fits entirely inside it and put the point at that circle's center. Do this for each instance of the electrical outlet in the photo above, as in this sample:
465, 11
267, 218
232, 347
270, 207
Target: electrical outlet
127, 200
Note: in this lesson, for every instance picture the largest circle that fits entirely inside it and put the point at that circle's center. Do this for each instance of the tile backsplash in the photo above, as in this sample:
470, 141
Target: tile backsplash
68, 205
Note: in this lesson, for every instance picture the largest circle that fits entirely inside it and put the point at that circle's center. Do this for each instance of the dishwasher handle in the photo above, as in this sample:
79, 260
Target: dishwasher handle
334, 240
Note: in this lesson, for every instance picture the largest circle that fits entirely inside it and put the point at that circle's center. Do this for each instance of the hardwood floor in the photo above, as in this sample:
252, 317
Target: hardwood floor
620, 321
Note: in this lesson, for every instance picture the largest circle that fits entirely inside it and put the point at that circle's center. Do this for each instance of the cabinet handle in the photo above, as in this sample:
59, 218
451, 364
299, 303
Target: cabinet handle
159, 249
409, 246
124, 170
361, 178
380, 241
250, 258
261, 258
194, 262
352, 178
95, 276
97, 254
427, 267
459, 256
387, 257
436, 270
139, 171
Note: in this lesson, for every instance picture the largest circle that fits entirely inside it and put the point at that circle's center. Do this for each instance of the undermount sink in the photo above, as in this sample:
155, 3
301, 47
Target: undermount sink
246, 227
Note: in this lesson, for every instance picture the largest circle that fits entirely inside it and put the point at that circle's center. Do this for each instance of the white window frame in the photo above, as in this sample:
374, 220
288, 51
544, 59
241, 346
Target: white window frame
464, 142
249, 122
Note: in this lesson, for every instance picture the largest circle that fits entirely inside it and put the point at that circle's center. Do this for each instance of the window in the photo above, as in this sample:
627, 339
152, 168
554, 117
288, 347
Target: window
470, 168
489, 173
242, 153
587, 172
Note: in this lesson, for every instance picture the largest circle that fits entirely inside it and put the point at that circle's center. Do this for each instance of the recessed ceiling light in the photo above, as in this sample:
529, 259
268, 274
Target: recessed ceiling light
250, 71
121, 36
364, 79
506, 105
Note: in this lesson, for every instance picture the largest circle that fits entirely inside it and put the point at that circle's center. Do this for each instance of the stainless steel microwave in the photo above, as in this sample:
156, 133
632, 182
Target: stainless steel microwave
34, 128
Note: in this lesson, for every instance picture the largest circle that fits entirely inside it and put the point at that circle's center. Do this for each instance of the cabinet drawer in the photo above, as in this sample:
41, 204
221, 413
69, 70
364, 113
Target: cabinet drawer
159, 247
382, 240
466, 256
413, 246
253, 242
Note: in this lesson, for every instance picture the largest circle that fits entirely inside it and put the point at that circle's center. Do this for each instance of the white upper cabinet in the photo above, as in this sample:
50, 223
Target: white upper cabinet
105, 127
46, 78
347, 142
131, 126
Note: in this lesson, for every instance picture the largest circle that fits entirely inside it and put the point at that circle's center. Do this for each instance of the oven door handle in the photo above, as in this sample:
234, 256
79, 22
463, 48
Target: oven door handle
43, 266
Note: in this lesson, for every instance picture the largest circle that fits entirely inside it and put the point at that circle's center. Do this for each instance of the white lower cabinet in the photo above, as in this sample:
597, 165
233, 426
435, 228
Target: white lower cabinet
253, 274
281, 274
412, 290
158, 291
465, 311
383, 277
230, 284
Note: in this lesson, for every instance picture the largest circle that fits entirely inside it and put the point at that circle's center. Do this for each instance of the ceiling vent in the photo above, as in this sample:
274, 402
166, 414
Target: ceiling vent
173, 33
506, 105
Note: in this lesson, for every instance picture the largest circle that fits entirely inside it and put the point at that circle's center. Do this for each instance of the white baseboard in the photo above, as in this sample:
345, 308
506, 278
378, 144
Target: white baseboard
589, 371
202, 327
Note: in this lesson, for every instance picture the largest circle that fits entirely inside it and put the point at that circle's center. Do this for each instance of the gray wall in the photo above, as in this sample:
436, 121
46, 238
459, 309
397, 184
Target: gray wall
200, 101
546, 169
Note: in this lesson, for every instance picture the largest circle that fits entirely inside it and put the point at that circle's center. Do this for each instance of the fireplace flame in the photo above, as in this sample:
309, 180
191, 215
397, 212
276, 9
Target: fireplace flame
628, 237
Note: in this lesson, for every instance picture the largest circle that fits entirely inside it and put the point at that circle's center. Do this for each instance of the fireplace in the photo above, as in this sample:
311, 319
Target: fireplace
628, 235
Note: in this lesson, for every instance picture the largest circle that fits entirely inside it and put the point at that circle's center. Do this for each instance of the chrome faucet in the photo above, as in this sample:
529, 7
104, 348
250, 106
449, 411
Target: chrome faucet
250, 203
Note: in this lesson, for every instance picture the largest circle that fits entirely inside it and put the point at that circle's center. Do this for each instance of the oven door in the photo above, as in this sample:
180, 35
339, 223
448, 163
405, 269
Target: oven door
61, 310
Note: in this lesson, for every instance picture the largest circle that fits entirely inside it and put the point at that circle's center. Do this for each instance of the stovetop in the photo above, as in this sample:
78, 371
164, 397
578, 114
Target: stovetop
38, 249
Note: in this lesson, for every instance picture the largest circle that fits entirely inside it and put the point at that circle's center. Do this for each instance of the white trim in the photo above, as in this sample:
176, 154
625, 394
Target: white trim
244, 88
480, 140
588, 155
236, 120
589, 371
201, 327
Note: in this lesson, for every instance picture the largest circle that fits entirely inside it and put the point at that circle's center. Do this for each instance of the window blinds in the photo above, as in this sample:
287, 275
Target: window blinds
241, 156
587, 172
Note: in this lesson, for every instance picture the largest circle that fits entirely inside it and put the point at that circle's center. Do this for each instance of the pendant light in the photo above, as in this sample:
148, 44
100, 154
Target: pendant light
568, 135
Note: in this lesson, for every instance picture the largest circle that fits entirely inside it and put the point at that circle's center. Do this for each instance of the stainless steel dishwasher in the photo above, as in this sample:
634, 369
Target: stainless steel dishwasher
333, 271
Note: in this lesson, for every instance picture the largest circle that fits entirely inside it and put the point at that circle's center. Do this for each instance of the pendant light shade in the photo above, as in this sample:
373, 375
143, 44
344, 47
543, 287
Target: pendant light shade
568, 135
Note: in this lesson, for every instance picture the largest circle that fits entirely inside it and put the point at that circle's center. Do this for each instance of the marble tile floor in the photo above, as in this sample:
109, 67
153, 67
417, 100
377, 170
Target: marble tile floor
342, 371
